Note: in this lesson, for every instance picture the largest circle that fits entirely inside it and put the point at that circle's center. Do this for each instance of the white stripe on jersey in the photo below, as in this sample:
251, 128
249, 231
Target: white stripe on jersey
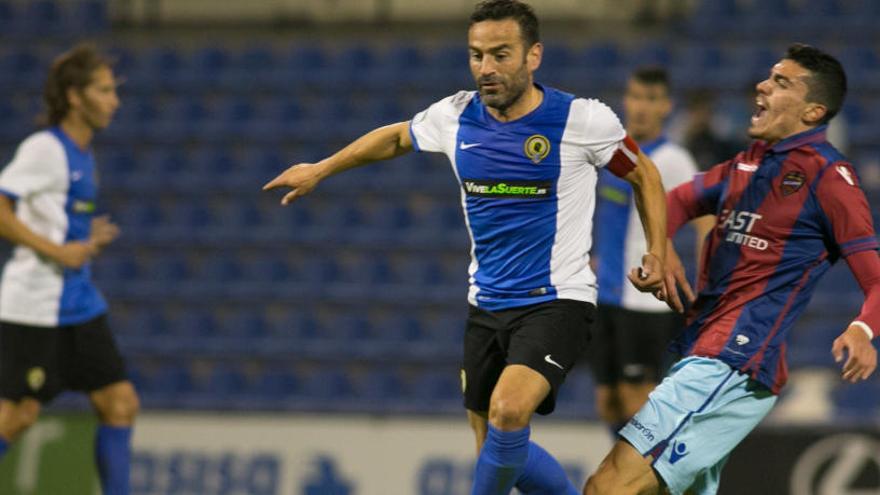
31, 287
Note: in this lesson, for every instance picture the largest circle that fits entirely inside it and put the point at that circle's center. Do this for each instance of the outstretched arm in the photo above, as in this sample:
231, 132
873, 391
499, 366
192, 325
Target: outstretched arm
855, 342
650, 200
380, 144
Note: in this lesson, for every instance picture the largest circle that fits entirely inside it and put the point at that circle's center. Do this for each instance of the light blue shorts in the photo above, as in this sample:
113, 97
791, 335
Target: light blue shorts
694, 419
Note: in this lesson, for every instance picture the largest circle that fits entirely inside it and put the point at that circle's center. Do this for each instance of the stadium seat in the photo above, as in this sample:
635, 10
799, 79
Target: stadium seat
328, 384
225, 381
277, 383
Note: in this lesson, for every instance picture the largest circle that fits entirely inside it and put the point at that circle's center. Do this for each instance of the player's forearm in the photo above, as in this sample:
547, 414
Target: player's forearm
380, 144
865, 266
18, 233
650, 200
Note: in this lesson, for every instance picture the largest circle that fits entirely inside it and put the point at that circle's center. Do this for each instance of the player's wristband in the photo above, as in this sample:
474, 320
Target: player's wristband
864, 326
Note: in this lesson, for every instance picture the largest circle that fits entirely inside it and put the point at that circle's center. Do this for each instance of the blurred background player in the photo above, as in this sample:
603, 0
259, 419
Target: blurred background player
526, 158
788, 208
628, 353
53, 326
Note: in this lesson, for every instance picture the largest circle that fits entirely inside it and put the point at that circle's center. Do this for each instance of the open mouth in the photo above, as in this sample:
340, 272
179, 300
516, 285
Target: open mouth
760, 110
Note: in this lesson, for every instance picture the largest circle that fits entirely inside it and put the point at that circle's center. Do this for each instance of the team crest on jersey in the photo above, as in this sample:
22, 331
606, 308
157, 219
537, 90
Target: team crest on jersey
537, 148
36, 378
792, 181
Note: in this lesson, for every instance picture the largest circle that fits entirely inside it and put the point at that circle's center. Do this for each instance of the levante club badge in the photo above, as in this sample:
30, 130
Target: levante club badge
537, 148
792, 181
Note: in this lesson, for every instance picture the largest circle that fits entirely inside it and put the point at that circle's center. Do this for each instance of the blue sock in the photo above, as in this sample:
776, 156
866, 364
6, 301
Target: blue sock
543, 475
501, 461
4, 446
113, 457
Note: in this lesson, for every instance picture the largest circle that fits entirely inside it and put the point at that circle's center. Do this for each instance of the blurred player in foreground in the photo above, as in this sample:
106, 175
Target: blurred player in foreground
526, 157
787, 208
628, 352
53, 326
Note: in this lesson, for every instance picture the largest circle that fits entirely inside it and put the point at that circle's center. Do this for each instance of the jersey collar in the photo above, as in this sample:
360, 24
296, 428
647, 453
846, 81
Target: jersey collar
812, 136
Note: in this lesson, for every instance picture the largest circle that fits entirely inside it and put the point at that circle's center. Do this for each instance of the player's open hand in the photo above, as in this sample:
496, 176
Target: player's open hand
301, 178
649, 276
675, 278
861, 357
75, 254
103, 231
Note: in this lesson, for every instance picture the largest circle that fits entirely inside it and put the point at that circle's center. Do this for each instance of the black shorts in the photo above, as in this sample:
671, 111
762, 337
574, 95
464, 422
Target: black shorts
41, 362
548, 338
631, 346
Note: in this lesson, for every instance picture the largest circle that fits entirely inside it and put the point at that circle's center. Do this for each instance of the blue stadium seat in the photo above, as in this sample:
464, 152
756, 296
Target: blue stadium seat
90, 16
277, 383
43, 16
21, 67
247, 324
224, 381
8, 16
171, 381
220, 269
382, 385
327, 383
437, 385
159, 68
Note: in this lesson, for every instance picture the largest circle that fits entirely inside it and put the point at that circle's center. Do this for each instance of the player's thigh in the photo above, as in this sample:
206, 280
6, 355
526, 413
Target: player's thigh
550, 338
95, 361
624, 471
30, 362
484, 358
16, 417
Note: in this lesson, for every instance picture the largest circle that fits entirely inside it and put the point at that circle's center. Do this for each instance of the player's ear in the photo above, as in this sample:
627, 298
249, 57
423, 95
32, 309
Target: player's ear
533, 56
814, 113
74, 97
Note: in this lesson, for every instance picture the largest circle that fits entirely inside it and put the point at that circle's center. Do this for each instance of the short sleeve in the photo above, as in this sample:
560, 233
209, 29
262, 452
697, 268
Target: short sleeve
595, 129
681, 169
432, 128
36, 166
844, 204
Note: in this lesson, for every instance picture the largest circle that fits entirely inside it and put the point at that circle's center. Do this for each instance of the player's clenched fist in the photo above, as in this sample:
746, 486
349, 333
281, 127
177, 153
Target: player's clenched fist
301, 178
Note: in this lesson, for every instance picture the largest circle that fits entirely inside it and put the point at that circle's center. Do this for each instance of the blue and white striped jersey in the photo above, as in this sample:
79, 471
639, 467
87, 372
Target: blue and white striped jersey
527, 190
53, 183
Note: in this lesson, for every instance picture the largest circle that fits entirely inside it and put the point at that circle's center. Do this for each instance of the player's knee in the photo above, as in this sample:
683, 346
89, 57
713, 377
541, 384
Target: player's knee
509, 414
22, 417
121, 408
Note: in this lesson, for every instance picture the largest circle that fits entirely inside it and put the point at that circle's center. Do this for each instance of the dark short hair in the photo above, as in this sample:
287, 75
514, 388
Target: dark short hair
827, 81
652, 75
498, 10
72, 69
